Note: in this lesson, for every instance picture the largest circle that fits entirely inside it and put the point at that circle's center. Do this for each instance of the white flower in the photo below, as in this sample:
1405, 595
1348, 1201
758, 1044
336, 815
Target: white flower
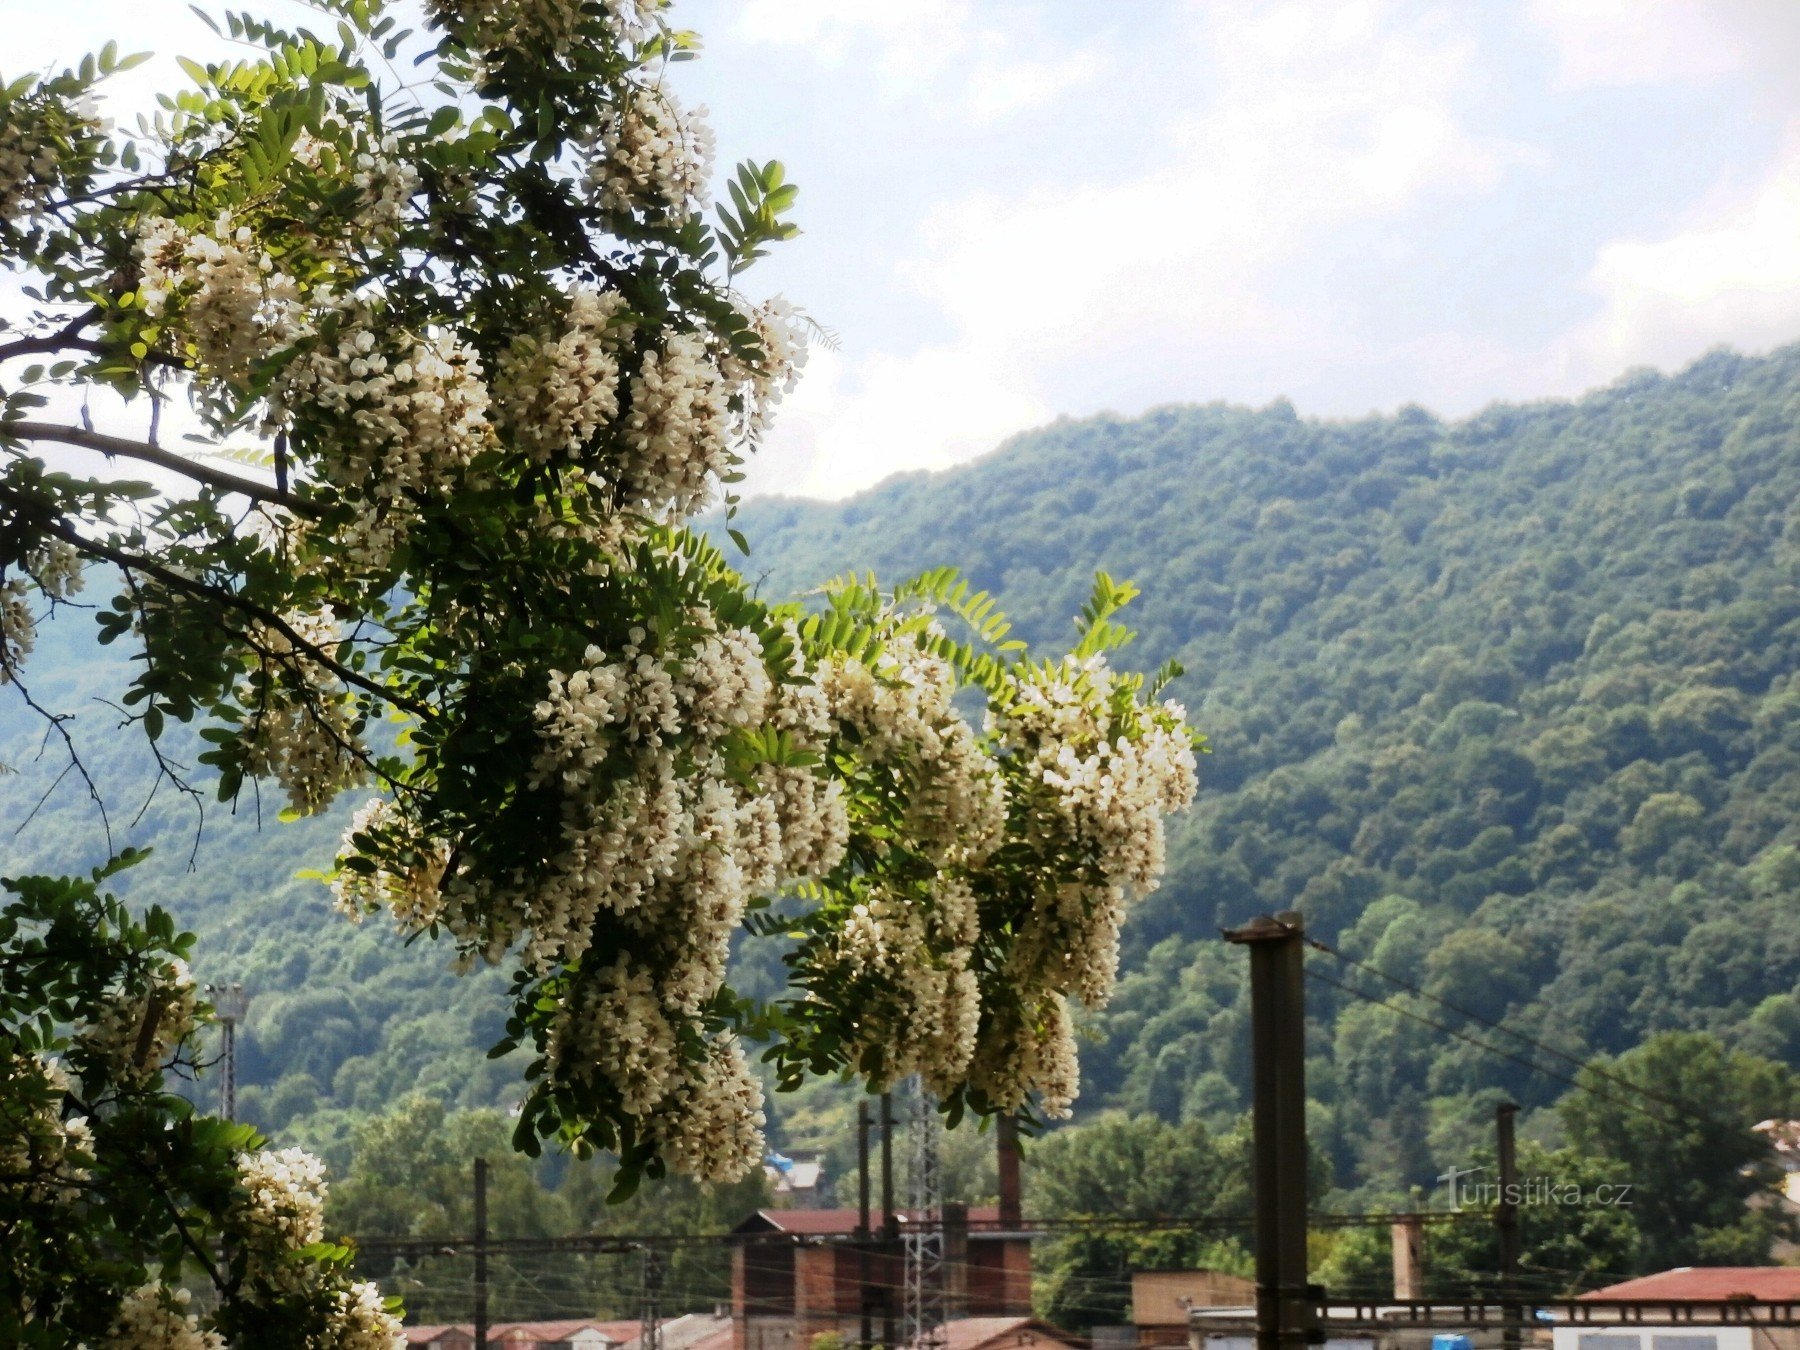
413, 891
155, 1317
710, 1126
653, 158
555, 390
137, 1032
677, 436
54, 569
358, 1321
283, 1201
223, 288
298, 730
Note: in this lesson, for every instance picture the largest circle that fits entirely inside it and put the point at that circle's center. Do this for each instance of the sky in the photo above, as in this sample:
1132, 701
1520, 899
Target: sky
1015, 210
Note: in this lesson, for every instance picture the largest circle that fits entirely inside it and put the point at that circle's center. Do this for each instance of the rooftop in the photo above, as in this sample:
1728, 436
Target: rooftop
1768, 1284
842, 1222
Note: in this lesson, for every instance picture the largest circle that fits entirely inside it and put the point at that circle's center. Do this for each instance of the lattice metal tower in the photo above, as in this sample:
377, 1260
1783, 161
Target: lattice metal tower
230, 1004
923, 1235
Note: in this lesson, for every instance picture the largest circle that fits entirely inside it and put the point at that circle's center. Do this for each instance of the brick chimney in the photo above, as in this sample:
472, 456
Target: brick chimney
1010, 1211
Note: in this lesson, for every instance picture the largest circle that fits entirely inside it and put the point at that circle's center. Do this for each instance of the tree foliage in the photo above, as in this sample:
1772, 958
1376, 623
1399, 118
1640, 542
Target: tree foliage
108, 1183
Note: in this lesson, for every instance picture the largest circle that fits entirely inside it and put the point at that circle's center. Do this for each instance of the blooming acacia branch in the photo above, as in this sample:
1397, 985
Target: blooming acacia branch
165, 459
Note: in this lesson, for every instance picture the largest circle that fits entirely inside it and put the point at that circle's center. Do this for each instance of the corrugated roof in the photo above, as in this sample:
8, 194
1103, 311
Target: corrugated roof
1760, 1283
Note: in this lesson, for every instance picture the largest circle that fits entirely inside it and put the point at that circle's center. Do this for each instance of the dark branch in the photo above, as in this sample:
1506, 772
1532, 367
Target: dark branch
65, 338
167, 459
93, 548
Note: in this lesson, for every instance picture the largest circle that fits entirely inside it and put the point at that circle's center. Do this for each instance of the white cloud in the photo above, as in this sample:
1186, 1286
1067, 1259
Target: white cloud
1601, 43
851, 424
1001, 86
947, 55
1114, 291
1729, 275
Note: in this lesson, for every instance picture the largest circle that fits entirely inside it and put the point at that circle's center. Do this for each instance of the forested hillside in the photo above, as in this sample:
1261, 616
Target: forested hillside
1506, 706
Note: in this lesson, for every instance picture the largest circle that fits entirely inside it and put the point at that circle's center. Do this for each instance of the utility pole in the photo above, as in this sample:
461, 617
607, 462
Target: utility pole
1285, 1302
925, 1230
1506, 1222
481, 1255
866, 1296
890, 1222
650, 1309
230, 1003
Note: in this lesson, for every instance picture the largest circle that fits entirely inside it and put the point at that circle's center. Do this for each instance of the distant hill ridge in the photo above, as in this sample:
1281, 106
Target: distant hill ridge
1506, 705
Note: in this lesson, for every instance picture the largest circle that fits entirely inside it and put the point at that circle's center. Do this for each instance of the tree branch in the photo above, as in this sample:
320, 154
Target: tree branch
93, 548
152, 454
64, 337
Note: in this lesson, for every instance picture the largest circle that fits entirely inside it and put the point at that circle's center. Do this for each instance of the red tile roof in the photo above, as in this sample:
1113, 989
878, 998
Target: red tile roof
427, 1334
530, 1333
1005, 1333
1757, 1283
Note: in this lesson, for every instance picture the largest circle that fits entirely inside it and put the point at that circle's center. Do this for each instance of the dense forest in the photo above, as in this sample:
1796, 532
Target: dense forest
1508, 707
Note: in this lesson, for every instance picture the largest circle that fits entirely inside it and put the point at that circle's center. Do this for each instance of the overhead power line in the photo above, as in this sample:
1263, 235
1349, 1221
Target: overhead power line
1520, 1060
1581, 1065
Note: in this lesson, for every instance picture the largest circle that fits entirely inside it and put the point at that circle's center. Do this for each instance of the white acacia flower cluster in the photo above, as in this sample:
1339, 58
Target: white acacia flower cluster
408, 413
412, 890
677, 433
235, 304
902, 961
283, 1202
1102, 773
28, 164
386, 183
54, 569
42, 1155
297, 729
661, 841
135, 1035
553, 391
766, 381
1029, 1047
711, 1125
903, 711
535, 25
1109, 788
18, 629
653, 158
616, 1027
358, 1321
155, 1317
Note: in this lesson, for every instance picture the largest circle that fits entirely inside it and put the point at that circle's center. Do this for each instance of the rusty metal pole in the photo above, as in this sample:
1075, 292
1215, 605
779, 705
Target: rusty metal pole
865, 1295
1506, 1222
1285, 1317
481, 1255
890, 1225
